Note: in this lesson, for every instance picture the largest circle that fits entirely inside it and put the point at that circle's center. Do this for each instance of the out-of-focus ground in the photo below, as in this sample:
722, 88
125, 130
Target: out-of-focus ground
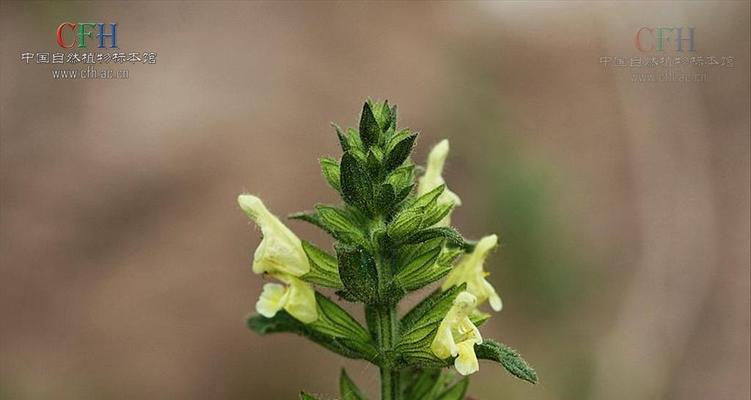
623, 208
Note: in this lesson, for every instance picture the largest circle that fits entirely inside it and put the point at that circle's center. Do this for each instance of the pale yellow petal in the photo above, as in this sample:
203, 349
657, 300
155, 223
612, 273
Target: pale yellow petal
280, 250
495, 300
301, 303
466, 363
443, 345
434, 177
470, 270
272, 299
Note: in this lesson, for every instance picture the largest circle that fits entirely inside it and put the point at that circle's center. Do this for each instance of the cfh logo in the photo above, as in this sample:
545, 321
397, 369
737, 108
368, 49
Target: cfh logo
83, 30
649, 39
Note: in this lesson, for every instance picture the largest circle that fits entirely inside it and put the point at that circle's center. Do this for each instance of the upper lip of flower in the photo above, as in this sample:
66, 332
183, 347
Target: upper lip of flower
280, 250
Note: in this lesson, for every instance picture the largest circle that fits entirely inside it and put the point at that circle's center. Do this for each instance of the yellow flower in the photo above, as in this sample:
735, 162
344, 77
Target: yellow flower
280, 254
469, 270
433, 178
280, 250
457, 335
298, 299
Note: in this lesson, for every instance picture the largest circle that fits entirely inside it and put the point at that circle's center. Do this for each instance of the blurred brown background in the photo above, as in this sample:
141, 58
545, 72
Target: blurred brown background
623, 208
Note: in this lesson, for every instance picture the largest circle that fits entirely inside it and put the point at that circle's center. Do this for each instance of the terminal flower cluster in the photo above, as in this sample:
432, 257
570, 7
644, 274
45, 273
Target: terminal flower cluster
392, 235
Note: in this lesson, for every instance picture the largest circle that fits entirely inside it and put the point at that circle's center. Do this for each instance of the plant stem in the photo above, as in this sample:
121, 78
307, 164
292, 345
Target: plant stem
386, 331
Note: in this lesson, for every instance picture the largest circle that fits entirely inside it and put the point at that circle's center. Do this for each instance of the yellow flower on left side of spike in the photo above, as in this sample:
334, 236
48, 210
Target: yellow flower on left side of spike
470, 270
298, 299
280, 250
280, 255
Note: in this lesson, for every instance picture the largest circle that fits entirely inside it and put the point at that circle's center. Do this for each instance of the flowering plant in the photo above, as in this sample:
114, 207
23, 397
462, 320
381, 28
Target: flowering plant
390, 239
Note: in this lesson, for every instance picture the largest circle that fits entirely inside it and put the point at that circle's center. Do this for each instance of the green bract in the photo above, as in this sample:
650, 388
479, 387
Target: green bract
391, 236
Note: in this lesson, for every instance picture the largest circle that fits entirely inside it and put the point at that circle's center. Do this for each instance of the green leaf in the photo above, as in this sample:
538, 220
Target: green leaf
508, 358
330, 170
343, 139
431, 309
358, 272
355, 183
405, 224
393, 118
310, 217
450, 234
419, 265
455, 392
324, 270
335, 321
282, 322
399, 149
308, 396
374, 163
386, 198
404, 192
402, 177
334, 329
348, 389
369, 130
429, 198
343, 224
382, 114
479, 318
435, 213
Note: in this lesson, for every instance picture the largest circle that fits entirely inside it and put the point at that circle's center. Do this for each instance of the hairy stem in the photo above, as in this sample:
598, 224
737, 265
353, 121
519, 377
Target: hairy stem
385, 329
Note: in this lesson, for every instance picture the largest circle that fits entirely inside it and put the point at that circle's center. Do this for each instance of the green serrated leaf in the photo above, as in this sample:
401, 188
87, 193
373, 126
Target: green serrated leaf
370, 132
347, 389
358, 272
508, 358
324, 270
330, 170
